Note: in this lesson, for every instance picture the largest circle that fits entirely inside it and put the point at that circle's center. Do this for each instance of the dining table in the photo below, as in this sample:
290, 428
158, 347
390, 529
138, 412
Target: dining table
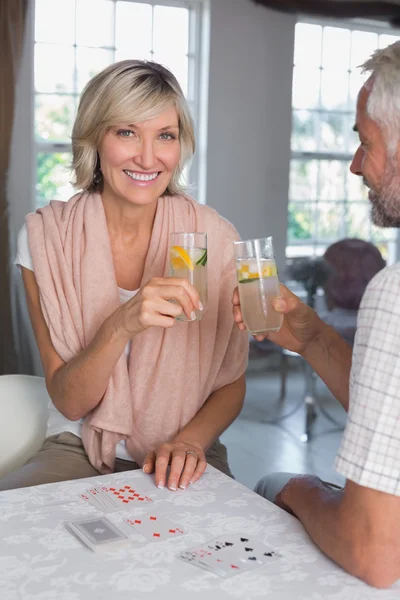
40, 559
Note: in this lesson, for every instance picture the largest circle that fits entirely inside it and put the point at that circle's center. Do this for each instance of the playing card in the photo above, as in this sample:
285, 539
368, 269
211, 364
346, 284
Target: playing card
156, 527
201, 557
97, 533
230, 554
126, 495
111, 499
97, 498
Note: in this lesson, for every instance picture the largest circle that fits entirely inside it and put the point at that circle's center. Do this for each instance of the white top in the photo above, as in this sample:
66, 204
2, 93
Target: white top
370, 450
57, 423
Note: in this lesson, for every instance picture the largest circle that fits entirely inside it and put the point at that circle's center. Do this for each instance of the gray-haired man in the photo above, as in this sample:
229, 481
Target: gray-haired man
358, 526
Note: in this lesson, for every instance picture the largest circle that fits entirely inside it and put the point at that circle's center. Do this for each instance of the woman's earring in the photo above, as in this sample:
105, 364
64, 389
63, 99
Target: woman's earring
98, 176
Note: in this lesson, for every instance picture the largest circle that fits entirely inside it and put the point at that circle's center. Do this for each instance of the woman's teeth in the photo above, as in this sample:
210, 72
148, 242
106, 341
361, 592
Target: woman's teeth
140, 176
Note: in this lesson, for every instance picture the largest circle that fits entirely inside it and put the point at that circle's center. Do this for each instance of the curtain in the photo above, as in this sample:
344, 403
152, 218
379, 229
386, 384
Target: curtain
12, 21
340, 9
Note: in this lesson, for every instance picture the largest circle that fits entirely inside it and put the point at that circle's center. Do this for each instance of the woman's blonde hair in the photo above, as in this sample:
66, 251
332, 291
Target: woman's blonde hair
130, 91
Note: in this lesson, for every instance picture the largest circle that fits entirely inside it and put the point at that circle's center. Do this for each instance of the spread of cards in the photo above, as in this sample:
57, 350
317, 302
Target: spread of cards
226, 555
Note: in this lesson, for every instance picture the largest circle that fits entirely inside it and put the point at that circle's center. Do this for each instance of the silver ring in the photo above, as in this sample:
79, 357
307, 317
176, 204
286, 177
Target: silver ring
192, 452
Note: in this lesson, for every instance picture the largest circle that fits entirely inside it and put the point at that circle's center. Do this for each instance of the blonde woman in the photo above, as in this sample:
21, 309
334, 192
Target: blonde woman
130, 386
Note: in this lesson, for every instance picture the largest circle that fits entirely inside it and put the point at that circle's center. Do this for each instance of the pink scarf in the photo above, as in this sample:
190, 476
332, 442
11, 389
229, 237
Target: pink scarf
170, 372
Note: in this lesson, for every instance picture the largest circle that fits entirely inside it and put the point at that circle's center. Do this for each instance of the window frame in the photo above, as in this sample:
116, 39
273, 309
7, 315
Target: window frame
318, 247
197, 79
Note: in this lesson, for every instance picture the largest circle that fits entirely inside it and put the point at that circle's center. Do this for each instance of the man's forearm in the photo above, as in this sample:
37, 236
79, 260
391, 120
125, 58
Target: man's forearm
357, 527
330, 357
320, 511
221, 408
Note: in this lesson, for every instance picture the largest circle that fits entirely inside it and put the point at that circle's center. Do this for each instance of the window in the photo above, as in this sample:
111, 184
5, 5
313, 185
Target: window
327, 202
75, 39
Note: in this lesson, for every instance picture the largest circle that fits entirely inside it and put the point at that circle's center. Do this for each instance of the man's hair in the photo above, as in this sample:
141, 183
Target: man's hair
384, 101
130, 91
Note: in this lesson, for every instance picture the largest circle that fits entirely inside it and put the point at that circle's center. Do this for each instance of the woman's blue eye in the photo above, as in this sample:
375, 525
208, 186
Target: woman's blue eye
167, 136
125, 132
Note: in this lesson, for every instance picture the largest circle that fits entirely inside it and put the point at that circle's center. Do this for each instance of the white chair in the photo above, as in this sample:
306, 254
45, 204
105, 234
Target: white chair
23, 419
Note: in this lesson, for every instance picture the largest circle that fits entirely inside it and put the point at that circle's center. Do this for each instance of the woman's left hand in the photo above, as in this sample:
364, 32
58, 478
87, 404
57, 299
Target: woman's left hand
188, 463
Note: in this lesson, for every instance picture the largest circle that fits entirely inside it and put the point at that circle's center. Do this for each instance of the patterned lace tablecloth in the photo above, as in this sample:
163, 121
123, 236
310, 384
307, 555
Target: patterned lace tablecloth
41, 560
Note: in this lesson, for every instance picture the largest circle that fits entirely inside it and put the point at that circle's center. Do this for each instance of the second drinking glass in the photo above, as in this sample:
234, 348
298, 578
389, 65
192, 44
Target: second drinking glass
258, 284
188, 259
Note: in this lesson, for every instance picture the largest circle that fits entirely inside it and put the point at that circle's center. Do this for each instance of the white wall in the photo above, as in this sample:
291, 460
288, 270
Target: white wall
250, 79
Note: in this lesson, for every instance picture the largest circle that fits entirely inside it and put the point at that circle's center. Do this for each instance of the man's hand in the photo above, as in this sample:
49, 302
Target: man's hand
303, 481
187, 460
300, 326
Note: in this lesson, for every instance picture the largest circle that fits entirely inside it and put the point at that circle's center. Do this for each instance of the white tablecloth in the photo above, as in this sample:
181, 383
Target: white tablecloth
41, 560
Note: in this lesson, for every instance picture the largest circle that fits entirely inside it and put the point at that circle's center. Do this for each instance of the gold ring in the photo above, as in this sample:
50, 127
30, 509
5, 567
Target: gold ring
192, 452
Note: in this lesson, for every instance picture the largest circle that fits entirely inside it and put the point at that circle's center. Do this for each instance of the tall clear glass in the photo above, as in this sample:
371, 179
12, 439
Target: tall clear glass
258, 284
188, 259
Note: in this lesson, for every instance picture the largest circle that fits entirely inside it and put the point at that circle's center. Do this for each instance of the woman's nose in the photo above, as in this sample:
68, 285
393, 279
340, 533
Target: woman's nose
146, 157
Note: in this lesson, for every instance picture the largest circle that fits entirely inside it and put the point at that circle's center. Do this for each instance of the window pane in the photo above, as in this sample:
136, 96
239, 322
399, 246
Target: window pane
358, 220
335, 90
330, 222
54, 68
52, 177
353, 139
333, 132
308, 45
301, 221
54, 117
379, 234
89, 62
357, 80
133, 37
356, 189
336, 48
171, 31
303, 180
179, 67
306, 84
363, 44
332, 180
386, 40
95, 22
55, 21
304, 130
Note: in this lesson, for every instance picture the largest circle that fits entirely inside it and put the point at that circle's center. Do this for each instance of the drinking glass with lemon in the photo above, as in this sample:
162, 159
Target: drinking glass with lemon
188, 259
258, 284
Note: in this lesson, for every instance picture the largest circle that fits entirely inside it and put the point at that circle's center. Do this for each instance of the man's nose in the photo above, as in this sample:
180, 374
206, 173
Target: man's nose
356, 163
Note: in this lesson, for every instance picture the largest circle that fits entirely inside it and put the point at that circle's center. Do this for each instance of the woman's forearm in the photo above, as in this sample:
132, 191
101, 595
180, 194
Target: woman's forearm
78, 386
217, 413
330, 356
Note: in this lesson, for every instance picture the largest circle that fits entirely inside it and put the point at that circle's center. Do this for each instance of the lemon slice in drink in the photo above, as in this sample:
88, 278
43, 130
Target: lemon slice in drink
180, 258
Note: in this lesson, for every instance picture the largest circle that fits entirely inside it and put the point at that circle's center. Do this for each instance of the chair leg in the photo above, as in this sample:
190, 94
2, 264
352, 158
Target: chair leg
284, 368
309, 400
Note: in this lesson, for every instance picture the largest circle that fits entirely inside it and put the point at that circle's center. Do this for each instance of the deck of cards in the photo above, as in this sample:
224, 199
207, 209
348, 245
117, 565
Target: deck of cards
98, 533
230, 555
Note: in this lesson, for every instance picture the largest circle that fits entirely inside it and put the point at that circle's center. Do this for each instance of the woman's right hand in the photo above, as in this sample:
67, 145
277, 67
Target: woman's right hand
301, 325
150, 307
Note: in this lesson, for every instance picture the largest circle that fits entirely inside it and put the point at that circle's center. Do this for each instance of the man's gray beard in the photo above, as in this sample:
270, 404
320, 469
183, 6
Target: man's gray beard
385, 207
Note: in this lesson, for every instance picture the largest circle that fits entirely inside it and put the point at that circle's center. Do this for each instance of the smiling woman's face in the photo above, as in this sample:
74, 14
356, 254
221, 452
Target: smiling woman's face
138, 160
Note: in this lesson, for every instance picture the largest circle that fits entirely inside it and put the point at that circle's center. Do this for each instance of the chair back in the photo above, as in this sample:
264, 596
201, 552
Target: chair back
23, 419
354, 263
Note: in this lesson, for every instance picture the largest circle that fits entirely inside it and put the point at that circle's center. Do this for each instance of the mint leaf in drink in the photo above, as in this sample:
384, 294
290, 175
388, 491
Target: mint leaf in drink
203, 259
